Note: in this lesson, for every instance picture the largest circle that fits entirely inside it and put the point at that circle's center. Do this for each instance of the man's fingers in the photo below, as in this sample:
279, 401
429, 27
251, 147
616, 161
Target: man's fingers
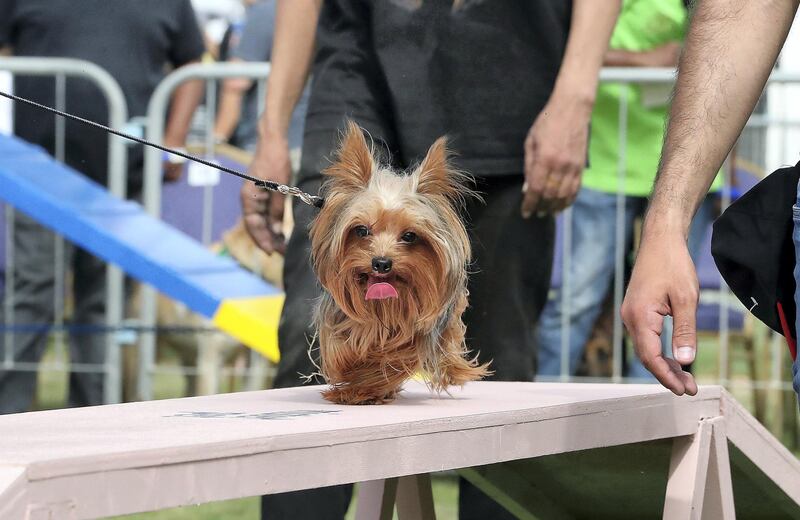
255, 212
684, 333
534, 188
648, 348
276, 206
689, 383
256, 226
275, 221
566, 191
172, 171
645, 326
530, 199
552, 185
569, 188
576, 187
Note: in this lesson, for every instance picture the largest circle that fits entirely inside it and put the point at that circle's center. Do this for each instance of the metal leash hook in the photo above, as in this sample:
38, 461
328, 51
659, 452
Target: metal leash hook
311, 200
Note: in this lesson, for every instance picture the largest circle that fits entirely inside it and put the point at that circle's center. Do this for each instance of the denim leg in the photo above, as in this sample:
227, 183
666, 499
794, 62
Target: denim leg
591, 271
796, 378
796, 237
701, 224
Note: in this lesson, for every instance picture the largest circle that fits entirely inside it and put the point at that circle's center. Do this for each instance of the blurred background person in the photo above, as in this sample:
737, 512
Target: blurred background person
219, 20
237, 117
136, 42
511, 82
648, 34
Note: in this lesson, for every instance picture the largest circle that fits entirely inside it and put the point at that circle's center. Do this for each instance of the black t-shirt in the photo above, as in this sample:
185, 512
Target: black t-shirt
412, 70
135, 41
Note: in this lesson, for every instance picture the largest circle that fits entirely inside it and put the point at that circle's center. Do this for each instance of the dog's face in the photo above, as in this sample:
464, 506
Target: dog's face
387, 245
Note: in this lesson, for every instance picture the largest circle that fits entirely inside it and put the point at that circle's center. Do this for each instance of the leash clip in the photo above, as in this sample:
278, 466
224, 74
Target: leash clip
311, 200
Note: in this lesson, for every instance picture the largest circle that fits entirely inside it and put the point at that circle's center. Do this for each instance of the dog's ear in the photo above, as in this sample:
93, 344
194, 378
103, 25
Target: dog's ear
353, 165
436, 176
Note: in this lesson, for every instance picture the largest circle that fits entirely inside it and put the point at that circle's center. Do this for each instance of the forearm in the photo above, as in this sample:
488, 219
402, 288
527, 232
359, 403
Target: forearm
664, 56
292, 53
230, 107
590, 30
730, 50
184, 103
623, 58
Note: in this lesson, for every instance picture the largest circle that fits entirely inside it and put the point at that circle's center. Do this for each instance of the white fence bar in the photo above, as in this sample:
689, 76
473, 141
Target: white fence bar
620, 233
156, 117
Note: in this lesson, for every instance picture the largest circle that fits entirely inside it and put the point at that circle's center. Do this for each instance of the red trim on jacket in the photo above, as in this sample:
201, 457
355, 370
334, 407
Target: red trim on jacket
785, 326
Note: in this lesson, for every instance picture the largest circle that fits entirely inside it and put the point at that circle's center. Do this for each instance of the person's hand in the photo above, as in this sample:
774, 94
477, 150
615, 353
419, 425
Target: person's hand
262, 210
664, 282
172, 171
172, 166
555, 155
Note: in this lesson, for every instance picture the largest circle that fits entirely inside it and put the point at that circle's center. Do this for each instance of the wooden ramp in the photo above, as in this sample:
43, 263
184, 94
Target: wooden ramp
544, 450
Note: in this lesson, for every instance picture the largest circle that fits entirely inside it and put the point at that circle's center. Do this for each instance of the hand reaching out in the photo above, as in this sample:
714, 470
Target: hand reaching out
664, 282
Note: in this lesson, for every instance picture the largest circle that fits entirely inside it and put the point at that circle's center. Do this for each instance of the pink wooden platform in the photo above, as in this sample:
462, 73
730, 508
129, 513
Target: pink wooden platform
119, 459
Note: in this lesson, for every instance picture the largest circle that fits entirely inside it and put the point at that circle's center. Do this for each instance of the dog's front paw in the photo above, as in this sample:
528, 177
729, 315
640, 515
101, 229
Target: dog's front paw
352, 394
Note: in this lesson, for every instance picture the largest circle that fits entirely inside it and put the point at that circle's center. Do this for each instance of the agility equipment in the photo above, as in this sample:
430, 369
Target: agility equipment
120, 232
542, 450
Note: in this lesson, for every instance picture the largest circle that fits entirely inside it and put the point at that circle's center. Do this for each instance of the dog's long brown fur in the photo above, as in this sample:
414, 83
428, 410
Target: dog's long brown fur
368, 348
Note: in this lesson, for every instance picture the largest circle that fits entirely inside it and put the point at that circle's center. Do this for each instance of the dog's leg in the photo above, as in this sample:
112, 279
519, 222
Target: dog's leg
448, 363
365, 384
358, 379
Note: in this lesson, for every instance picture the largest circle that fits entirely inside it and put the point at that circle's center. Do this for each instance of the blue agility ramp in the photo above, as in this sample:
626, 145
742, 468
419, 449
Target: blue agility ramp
120, 232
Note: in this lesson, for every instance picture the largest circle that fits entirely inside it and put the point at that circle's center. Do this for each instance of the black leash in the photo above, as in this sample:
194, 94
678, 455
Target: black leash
311, 200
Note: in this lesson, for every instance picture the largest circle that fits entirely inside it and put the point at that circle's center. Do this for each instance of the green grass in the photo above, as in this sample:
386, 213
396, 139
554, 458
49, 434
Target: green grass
244, 509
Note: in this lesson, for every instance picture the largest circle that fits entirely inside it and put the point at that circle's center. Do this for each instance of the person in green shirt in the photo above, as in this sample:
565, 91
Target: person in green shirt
648, 34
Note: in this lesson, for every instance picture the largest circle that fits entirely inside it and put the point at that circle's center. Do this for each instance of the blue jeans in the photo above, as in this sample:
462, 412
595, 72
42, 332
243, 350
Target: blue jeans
796, 237
591, 272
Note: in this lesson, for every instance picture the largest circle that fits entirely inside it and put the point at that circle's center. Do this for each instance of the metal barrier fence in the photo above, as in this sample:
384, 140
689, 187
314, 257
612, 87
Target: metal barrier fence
60, 69
210, 74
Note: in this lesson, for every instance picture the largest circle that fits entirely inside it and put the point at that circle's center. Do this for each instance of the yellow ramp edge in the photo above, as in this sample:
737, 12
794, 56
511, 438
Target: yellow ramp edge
253, 321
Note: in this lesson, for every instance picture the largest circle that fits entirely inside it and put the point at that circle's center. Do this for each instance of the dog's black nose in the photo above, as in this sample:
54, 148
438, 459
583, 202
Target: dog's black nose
381, 264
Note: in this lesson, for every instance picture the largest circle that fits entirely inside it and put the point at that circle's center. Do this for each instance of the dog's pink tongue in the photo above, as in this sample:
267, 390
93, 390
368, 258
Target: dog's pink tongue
381, 291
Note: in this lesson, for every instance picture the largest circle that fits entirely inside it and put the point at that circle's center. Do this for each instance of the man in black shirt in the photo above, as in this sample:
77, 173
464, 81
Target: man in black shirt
135, 42
511, 82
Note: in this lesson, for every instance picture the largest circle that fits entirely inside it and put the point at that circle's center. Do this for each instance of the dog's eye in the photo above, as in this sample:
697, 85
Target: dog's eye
409, 237
361, 231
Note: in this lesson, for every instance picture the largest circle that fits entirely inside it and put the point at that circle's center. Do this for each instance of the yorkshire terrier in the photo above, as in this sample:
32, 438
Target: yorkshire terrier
391, 253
